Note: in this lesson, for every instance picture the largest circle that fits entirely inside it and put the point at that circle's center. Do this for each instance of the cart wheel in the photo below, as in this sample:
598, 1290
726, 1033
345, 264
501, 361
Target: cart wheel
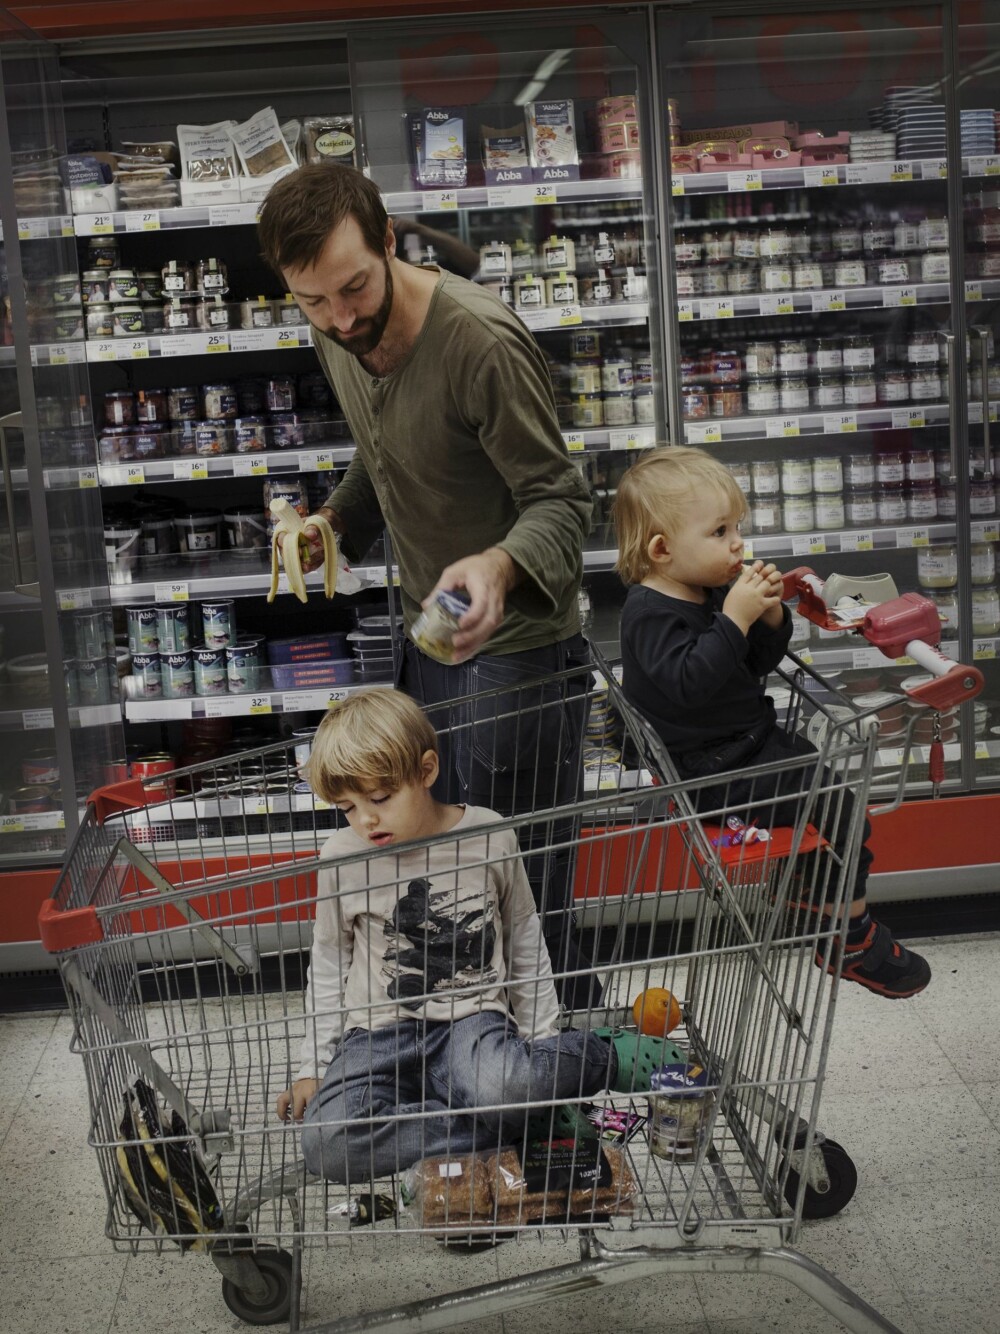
843, 1183
276, 1270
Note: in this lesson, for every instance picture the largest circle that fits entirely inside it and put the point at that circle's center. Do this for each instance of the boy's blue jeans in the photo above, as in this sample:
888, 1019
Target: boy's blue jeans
394, 1095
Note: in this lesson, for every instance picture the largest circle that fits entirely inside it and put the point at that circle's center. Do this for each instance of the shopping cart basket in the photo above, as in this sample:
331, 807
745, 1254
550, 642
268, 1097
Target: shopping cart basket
180, 923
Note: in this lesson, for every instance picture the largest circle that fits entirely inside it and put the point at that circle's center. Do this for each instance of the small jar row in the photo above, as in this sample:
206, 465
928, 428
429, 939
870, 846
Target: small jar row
796, 392
810, 275
871, 239
801, 353
223, 400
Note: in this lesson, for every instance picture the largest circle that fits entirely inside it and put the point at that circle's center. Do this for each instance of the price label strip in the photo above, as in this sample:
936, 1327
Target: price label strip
779, 428
142, 221
190, 470
171, 592
249, 465
858, 541
575, 443
812, 545
840, 423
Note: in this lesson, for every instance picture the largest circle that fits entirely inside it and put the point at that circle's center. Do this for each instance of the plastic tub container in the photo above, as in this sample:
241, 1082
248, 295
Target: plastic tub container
198, 530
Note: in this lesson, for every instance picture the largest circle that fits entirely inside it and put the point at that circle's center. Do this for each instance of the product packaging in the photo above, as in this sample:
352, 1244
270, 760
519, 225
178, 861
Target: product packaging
505, 155
206, 152
437, 148
329, 139
552, 141
261, 146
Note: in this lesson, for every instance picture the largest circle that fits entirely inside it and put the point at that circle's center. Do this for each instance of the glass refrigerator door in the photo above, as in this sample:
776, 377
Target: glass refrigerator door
524, 158
59, 687
810, 231
978, 93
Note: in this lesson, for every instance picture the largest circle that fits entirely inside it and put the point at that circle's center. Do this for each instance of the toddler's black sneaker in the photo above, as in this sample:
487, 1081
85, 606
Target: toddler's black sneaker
881, 964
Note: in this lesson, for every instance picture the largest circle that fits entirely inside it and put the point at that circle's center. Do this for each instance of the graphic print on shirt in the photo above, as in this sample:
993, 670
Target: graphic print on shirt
439, 942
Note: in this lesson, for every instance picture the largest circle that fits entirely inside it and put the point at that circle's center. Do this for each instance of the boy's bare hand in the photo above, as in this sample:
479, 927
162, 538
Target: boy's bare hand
757, 590
296, 1098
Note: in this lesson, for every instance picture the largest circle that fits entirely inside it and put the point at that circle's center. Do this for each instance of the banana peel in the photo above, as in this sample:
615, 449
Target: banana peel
290, 552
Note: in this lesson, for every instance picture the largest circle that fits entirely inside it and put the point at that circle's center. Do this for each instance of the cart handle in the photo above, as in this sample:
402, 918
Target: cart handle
906, 626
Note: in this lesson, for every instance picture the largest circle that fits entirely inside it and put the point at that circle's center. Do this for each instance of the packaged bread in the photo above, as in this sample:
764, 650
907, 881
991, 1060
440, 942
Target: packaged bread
451, 1190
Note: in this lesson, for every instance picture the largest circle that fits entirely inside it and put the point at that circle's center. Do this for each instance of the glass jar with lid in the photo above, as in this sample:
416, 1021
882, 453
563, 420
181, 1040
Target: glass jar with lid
937, 566
877, 238
932, 234
827, 474
690, 282
849, 272
921, 502
827, 354
798, 514
922, 348
889, 270
947, 609
793, 392
947, 501
925, 384
859, 507
830, 511
983, 563
762, 394
859, 389
859, 470
796, 476
775, 275
807, 274
985, 608
714, 279
892, 385
742, 277
920, 465
761, 358
846, 240
982, 498
935, 267
695, 402
859, 352
793, 355
741, 474
801, 241
775, 242
828, 390
765, 515
890, 467
906, 236
890, 502
746, 245
717, 246
687, 252
765, 477
728, 400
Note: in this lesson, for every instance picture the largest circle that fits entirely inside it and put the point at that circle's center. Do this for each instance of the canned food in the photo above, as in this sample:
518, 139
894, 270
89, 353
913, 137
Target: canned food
210, 671
155, 772
173, 629
147, 676
31, 801
177, 674
243, 665
90, 633
218, 624
40, 768
143, 629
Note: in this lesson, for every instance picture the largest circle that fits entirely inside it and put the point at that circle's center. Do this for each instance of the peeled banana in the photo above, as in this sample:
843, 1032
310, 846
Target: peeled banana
293, 526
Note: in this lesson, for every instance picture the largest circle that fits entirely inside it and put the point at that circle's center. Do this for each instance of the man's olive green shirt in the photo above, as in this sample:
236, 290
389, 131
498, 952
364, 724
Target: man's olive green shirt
459, 449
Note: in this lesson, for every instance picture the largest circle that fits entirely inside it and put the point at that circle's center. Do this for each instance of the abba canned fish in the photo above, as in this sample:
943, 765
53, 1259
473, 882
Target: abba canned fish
218, 624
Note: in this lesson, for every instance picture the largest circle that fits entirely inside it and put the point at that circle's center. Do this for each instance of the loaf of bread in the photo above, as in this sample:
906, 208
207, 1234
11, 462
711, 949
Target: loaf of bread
451, 1190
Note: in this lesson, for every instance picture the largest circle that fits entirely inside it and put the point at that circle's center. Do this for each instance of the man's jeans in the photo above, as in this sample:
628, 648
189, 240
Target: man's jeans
395, 1095
517, 749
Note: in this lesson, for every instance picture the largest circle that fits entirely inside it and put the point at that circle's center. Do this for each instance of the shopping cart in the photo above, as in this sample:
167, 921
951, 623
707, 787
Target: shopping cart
181, 921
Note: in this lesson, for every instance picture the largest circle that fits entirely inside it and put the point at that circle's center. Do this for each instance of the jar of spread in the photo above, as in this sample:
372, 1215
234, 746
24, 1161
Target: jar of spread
220, 401
859, 352
619, 409
859, 507
746, 245
558, 254
585, 377
102, 252
985, 607
127, 321
793, 355
982, 497
256, 313
588, 410
529, 293
180, 313
741, 475
717, 247
922, 348
741, 277
561, 289
123, 285
695, 402
645, 407
892, 385
687, 252
150, 286
762, 394
920, 465
775, 242
890, 503
827, 473
94, 285
495, 260
947, 501
798, 514
714, 281
947, 609
828, 391
877, 238
765, 477
761, 358
925, 384
775, 276
983, 563
850, 273
796, 476
616, 375
827, 354
119, 407
935, 268
726, 367
859, 389
906, 236
890, 467
793, 393
889, 270
807, 274
937, 566
727, 401
151, 405
765, 516
932, 234
184, 403
846, 240
178, 277
830, 511
212, 277
921, 501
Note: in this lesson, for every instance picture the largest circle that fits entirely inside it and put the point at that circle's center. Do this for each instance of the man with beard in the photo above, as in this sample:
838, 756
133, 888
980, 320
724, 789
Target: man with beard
459, 456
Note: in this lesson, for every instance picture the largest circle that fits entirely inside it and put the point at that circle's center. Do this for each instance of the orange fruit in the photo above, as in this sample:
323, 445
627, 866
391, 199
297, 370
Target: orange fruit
656, 1012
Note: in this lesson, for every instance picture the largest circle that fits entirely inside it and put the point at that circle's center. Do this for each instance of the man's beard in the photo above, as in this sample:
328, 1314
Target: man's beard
361, 343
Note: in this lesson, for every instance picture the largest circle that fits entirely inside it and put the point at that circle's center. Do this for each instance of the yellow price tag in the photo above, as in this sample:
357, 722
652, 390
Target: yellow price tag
260, 704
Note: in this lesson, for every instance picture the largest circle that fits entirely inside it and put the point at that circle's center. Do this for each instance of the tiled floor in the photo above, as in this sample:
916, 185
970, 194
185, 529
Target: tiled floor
913, 1092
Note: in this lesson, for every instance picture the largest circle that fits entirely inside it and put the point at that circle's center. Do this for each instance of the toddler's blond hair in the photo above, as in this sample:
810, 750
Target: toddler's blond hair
653, 494
374, 739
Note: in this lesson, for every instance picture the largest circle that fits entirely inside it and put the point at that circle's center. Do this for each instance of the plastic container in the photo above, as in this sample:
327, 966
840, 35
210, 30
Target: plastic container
245, 529
434, 629
250, 435
127, 321
198, 530
177, 277
680, 1106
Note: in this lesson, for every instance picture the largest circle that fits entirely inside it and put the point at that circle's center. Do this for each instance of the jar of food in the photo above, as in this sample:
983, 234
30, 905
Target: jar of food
775, 276
714, 282
717, 247
828, 391
922, 348
859, 389
212, 277
726, 367
585, 377
619, 409
983, 562
850, 273
982, 497
558, 254
937, 566
102, 252
495, 260
889, 270
177, 277
561, 289
859, 507
529, 293
793, 393
256, 313
119, 407
985, 607
642, 369
741, 277
827, 473
765, 477
695, 402
635, 286
727, 401
94, 284
925, 384
765, 516
123, 285
890, 467
947, 501
846, 240
645, 407
100, 320
604, 250
588, 411
807, 274
212, 312
830, 511
741, 474
184, 402
859, 352
180, 313
616, 375
877, 238
114, 444
906, 236
220, 401
796, 476
935, 268
687, 252
279, 394
890, 503
249, 435
921, 501
523, 257
211, 438
127, 321
942, 465
947, 609
761, 358
827, 354
892, 385
793, 355
932, 234
150, 286
920, 465
798, 514
775, 242
149, 441
746, 245
690, 282
763, 394
287, 430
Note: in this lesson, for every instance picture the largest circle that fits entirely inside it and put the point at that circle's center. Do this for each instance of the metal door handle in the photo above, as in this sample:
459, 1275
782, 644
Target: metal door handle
952, 401
26, 590
984, 343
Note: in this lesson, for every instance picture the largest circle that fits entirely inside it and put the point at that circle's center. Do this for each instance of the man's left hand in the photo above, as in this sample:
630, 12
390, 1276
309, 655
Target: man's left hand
487, 577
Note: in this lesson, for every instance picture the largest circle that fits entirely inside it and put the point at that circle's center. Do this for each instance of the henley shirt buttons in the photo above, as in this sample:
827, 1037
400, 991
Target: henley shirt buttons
375, 412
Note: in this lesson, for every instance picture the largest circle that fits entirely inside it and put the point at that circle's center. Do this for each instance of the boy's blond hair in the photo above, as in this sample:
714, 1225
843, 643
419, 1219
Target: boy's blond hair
374, 739
653, 494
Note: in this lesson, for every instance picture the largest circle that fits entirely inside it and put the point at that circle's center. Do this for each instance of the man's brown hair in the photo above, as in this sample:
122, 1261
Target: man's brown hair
305, 206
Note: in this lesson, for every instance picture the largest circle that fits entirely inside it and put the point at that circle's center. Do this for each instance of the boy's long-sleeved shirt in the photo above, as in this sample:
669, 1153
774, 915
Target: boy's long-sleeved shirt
692, 673
459, 449
437, 933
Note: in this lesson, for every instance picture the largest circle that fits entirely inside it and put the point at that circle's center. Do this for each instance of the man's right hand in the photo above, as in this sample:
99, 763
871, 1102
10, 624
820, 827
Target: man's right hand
296, 1098
314, 558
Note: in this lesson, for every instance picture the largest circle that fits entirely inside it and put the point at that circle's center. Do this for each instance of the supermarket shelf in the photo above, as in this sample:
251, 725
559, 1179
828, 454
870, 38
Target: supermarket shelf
753, 305
855, 654
282, 339
511, 196
210, 575
41, 720
625, 437
235, 706
194, 469
568, 317
884, 418
32, 822
732, 220
889, 172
